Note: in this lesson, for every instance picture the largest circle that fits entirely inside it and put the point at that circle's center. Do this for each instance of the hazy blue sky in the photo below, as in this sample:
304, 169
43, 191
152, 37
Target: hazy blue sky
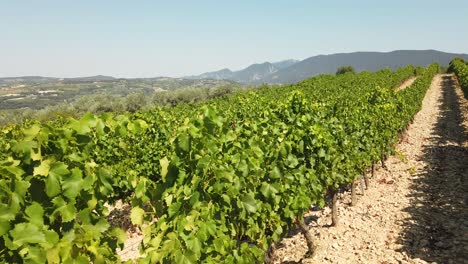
173, 38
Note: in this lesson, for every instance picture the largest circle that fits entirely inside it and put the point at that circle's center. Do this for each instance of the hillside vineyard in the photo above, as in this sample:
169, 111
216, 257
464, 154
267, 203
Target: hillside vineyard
216, 182
460, 68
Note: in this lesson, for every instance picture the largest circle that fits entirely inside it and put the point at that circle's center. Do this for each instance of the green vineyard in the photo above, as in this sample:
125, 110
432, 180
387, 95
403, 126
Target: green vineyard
213, 182
460, 68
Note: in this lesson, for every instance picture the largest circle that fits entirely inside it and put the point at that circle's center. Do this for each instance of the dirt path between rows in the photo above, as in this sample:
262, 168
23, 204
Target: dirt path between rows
406, 83
415, 211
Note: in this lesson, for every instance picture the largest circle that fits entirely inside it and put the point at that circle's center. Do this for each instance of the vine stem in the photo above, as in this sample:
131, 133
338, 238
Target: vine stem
305, 232
382, 160
353, 194
270, 254
362, 184
335, 219
366, 179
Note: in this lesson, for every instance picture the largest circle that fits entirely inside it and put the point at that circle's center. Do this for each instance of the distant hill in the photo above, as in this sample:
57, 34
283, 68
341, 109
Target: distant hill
284, 64
224, 74
158, 83
253, 73
361, 61
291, 71
97, 78
27, 79
41, 79
286, 71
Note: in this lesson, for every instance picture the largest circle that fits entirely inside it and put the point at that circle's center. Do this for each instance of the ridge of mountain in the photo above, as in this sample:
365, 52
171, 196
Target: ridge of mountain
287, 71
291, 71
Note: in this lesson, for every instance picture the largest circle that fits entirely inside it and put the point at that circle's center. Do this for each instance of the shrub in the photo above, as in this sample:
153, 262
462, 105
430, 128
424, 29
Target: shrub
344, 69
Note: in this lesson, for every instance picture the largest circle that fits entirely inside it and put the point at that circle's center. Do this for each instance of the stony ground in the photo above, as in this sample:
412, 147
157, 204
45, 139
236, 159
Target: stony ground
120, 217
406, 83
415, 210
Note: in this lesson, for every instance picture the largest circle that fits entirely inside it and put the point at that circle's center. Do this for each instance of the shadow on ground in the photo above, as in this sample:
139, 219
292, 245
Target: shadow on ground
437, 229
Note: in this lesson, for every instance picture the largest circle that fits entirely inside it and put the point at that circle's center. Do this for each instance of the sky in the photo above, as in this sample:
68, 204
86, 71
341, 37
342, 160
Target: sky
65, 38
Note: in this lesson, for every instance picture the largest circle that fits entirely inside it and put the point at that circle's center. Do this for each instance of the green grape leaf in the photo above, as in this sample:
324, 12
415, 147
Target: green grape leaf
66, 210
268, 190
4, 227
249, 202
137, 215
42, 169
26, 233
35, 213
164, 162
57, 171
72, 185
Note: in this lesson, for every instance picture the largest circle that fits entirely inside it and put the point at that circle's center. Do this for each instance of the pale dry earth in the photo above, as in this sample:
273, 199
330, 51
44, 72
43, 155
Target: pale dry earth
120, 217
415, 210
131, 247
406, 83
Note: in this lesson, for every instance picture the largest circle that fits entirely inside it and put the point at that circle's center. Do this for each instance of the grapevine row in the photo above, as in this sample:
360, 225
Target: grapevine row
460, 68
218, 181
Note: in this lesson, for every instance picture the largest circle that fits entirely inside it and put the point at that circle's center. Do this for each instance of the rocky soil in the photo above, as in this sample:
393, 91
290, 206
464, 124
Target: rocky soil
406, 83
120, 217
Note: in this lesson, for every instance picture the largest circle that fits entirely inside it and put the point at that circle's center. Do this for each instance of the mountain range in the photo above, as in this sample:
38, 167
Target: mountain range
290, 71
287, 71
254, 73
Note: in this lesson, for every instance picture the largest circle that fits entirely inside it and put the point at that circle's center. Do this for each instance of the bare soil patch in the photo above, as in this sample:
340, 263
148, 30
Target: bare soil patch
406, 83
119, 216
